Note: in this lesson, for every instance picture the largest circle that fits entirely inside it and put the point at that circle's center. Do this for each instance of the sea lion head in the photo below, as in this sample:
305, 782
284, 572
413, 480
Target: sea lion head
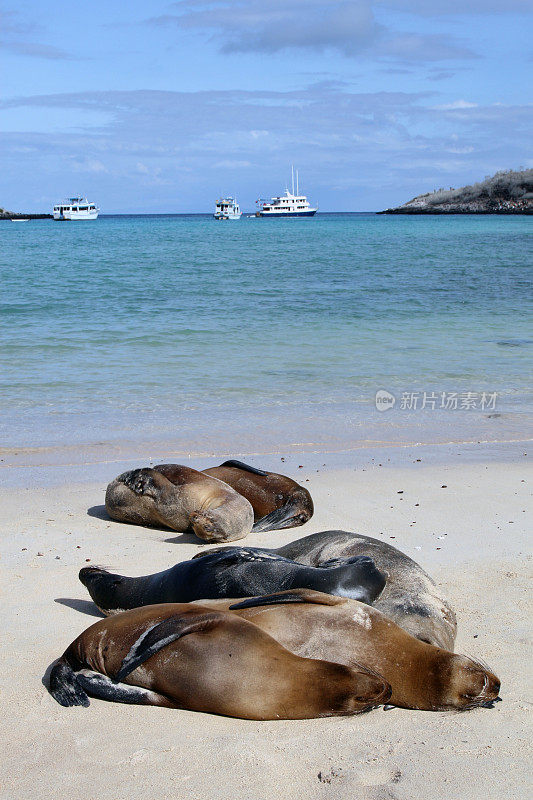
468, 684
232, 519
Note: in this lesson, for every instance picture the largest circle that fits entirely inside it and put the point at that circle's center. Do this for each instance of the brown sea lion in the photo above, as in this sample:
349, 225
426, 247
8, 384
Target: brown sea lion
186, 656
180, 498
317, 625
278, 501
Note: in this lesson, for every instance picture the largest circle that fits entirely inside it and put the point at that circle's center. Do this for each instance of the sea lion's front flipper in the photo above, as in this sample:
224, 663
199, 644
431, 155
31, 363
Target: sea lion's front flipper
290, 596
226, 557
145, 482
162, 634
210, 552
241, 465
287, 516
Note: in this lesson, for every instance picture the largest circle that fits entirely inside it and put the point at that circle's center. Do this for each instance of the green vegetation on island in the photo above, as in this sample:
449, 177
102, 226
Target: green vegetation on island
506, 192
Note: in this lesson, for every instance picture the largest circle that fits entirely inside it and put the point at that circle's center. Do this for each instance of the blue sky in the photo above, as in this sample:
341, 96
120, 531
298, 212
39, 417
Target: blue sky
161, 107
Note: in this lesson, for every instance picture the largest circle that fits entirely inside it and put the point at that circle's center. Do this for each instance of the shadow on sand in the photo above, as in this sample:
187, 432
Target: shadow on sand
85, 606
99, 512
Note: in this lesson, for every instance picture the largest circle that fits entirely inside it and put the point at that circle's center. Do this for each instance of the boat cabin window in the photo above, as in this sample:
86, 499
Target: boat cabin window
83, 208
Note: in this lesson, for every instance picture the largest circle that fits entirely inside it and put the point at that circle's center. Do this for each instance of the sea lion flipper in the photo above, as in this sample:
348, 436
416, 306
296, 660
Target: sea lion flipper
287, 516
142, 482
290, 596
241, 465
101, 686
210, 552
162, 634
228, 556
65, 686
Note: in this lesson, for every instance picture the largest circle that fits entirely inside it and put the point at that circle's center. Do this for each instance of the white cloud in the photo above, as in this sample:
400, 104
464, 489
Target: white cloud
455, 105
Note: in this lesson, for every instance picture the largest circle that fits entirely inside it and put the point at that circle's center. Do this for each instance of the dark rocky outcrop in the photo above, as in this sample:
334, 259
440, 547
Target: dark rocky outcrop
7, 215
508, 192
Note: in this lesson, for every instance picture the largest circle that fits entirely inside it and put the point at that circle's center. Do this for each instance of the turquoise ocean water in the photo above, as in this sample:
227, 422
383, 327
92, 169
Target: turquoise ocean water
250, 334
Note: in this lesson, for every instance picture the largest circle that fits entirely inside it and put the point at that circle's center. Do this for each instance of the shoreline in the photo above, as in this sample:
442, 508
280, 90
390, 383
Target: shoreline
52, 466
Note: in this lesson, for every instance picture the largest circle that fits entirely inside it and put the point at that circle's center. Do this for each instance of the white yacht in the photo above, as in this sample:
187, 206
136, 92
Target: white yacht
289, 205
76, 208
227, 208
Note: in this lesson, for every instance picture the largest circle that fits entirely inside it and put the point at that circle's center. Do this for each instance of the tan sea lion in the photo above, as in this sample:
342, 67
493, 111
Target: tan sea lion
278, 501
186, 656
317, 625
180, 498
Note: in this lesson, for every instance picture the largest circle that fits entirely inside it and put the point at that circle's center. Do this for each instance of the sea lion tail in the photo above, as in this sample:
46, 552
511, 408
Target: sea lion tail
65, 686
162, 634
241, 465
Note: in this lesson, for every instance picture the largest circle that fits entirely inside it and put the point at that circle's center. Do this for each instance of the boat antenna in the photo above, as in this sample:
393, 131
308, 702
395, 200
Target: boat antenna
297, 188
292, 172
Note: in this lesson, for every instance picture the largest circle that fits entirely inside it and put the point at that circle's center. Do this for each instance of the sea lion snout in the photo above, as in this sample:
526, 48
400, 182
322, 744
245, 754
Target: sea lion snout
474, 686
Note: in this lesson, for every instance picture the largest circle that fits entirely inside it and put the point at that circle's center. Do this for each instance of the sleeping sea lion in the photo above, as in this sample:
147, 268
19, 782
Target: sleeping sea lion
278, 502
183, 656
316, 625
233, 572
180, 498
410, 598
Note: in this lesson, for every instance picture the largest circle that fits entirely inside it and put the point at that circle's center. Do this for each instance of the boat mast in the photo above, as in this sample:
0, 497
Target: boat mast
297, 189
292, 172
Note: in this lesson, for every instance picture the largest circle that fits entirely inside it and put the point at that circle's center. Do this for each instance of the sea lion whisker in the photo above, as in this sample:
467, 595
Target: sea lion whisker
479, 662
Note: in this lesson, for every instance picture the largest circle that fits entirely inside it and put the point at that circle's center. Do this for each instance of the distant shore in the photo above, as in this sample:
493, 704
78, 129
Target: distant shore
506, 192
6, 216
455, 211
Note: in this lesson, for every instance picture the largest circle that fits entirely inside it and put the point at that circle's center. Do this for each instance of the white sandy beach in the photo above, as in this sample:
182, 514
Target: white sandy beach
465, 522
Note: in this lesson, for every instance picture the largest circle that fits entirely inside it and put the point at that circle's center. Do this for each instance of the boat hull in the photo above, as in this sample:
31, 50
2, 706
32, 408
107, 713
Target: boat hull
75, 217
284, 214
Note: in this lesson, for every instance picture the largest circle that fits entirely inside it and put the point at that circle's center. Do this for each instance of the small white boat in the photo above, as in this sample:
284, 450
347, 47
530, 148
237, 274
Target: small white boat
76, 208
23, 219
291, 204
227, 208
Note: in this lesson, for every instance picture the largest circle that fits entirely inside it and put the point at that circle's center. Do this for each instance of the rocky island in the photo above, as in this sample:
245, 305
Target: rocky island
509, 192
4, 214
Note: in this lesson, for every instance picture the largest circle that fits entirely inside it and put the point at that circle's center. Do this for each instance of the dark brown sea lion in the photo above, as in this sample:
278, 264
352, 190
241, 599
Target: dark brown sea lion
317, 625
180, 498
278, 501
185, 656
231, 572
410, 598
